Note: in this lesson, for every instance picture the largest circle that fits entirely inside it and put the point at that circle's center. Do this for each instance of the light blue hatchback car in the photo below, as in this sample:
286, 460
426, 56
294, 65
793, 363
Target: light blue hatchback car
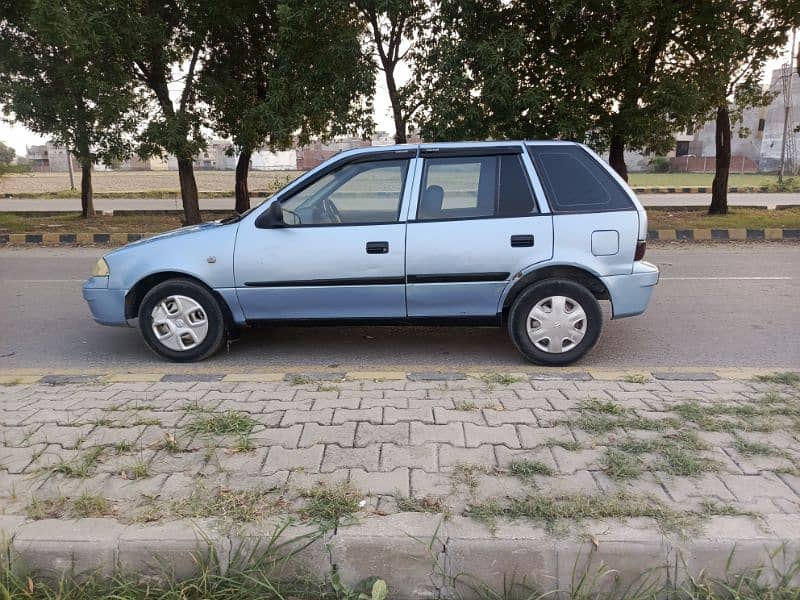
530, 235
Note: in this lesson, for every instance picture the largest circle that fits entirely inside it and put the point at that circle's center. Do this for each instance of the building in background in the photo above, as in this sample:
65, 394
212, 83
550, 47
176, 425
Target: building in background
49, 158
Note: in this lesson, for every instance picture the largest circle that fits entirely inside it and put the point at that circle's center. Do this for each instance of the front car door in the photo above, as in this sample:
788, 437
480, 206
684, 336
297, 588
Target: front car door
477, 224
342, 252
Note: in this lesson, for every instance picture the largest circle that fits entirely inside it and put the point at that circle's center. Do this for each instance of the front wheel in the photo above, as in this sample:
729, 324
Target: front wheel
555, 322
182, 321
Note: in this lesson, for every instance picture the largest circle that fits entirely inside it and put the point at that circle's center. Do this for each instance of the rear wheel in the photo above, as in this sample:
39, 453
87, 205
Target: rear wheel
182, 321
555, 322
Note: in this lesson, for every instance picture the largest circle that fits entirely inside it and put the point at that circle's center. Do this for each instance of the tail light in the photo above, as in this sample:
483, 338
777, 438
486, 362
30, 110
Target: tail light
640, 250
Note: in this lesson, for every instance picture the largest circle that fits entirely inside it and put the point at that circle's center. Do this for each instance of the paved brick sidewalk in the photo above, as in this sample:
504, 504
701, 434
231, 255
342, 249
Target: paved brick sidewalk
474, 446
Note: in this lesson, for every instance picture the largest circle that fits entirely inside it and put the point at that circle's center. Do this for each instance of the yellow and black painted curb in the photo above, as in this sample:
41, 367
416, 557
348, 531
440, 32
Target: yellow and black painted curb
306, 376
120, 239
701, 190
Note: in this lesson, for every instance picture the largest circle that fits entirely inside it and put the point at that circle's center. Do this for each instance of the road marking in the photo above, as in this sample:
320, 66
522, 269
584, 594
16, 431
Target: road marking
727, 278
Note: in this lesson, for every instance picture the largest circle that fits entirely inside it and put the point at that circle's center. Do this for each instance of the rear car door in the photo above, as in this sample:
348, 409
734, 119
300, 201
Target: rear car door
476, 224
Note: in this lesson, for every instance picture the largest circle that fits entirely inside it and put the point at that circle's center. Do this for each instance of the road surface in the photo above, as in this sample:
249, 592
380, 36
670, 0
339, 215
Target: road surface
74, 204
716, 306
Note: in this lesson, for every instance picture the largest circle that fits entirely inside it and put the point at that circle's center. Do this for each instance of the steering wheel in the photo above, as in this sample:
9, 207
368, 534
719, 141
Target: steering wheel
330, 210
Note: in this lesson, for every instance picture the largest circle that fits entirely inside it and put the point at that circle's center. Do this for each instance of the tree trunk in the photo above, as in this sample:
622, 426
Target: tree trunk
719, 187
191, 205
616, 156
87, 203
242, 193
397, 110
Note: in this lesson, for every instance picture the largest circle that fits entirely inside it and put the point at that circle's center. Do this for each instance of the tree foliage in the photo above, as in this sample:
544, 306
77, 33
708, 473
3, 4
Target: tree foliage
59, 77
277, 70
393, 26
7, 154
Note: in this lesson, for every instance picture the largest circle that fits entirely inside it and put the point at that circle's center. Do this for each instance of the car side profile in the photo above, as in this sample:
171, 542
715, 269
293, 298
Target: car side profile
527, 235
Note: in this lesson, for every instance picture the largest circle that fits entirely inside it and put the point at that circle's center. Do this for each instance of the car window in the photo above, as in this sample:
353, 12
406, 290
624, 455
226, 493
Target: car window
474, 187
356, 193
574, 182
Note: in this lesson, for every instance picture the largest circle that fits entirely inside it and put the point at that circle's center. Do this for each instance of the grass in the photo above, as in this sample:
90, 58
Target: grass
526, 469
737, 218
296, 379
622, 465
784, 378
636, 378
738, 417
84, 506
745, 448
468, 475
699, 180
238, 506
499, 379
569, 445
230, 422
329, 506
553, 511
428, 504
466, 406
80, 467
135, 471
123, 447
676, 454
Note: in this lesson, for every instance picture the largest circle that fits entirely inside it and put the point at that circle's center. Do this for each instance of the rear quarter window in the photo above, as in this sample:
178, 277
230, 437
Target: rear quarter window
575, 183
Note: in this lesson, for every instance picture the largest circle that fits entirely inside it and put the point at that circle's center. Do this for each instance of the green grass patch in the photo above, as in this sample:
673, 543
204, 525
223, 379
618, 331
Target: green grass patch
622, 465
737, 417
83, 507
81, 466
636, 378
297, 379
526, 469
135, 471
746, 448
569, 445
784, 378
491, 379
553, 511
466, 406
737, 218
222, 423
678, 180
231, 505
330, 506
428, 504
468, 475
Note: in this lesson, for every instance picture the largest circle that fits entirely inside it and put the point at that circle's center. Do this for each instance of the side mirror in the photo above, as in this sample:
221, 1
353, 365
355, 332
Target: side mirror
272, 218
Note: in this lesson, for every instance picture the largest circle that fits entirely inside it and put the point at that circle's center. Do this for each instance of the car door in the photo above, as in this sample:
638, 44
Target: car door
477, 224
342, 251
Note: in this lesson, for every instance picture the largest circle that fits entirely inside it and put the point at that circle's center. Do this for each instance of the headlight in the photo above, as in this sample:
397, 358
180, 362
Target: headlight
100, 268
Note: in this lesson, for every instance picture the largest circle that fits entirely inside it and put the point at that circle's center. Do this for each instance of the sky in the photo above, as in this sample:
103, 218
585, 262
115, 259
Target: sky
18, 136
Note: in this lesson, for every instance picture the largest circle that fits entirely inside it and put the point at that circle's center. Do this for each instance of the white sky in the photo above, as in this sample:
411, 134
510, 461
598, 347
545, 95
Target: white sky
18, 136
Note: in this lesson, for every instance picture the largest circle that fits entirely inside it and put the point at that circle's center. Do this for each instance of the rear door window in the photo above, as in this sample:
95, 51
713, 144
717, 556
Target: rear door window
575, 183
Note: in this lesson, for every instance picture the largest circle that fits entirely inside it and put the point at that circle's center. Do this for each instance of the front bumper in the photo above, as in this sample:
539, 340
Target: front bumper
630, 294
107, 306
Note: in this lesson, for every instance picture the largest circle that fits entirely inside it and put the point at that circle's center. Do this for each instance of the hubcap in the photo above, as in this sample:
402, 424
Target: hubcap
179, 323
556, 324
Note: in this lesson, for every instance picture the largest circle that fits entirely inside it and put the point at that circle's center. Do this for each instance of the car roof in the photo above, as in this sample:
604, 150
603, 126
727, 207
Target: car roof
404, 148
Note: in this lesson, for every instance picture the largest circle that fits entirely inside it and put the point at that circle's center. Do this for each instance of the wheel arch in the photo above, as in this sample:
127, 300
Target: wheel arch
134, 297
586, 278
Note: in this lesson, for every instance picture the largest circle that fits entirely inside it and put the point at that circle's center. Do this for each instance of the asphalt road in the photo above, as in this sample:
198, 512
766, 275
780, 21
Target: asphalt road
74, 204
717, 306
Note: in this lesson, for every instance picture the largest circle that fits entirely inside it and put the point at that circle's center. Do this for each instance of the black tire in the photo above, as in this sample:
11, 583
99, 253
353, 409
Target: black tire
213, 313
531, 296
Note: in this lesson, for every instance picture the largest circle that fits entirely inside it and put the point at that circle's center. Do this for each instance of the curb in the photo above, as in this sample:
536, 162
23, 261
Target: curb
299, 376
418, 555
120, 239
702, 190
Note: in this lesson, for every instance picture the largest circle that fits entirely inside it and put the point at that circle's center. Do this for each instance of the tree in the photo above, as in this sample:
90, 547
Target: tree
59, 78
165, 41
390, 24
613, 73
276, 69
7, 154
736, 54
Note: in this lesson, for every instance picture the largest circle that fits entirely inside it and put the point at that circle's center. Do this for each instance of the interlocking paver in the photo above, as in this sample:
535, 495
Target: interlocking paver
450, 457
323, 417
395, 415
414, 457
281, 459
477, 435
344, 415
367, 434
447, 434
387, 483
468, 415
313, 433
499, 417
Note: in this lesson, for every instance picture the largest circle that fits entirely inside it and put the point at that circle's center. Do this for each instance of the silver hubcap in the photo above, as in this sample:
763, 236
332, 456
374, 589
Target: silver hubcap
556, 324
180, 323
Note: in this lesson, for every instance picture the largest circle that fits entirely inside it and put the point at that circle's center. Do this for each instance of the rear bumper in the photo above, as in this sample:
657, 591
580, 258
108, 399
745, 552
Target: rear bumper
107, 306
630, 294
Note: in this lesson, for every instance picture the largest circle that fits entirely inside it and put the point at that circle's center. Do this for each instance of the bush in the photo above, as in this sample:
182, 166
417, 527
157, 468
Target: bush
660, 164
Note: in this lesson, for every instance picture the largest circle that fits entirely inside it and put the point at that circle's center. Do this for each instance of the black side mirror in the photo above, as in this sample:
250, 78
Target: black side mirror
271, 218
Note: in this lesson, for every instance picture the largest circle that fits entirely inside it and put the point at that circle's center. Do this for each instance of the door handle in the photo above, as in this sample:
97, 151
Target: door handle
521, 241
377, 247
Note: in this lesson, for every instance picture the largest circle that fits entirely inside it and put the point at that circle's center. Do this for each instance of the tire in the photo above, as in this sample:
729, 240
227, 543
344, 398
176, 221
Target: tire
190, 320
575, 339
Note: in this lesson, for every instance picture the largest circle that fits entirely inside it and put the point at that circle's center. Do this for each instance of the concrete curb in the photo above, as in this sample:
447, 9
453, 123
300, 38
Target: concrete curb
200, 374
419, 555
120, 239
702, 190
